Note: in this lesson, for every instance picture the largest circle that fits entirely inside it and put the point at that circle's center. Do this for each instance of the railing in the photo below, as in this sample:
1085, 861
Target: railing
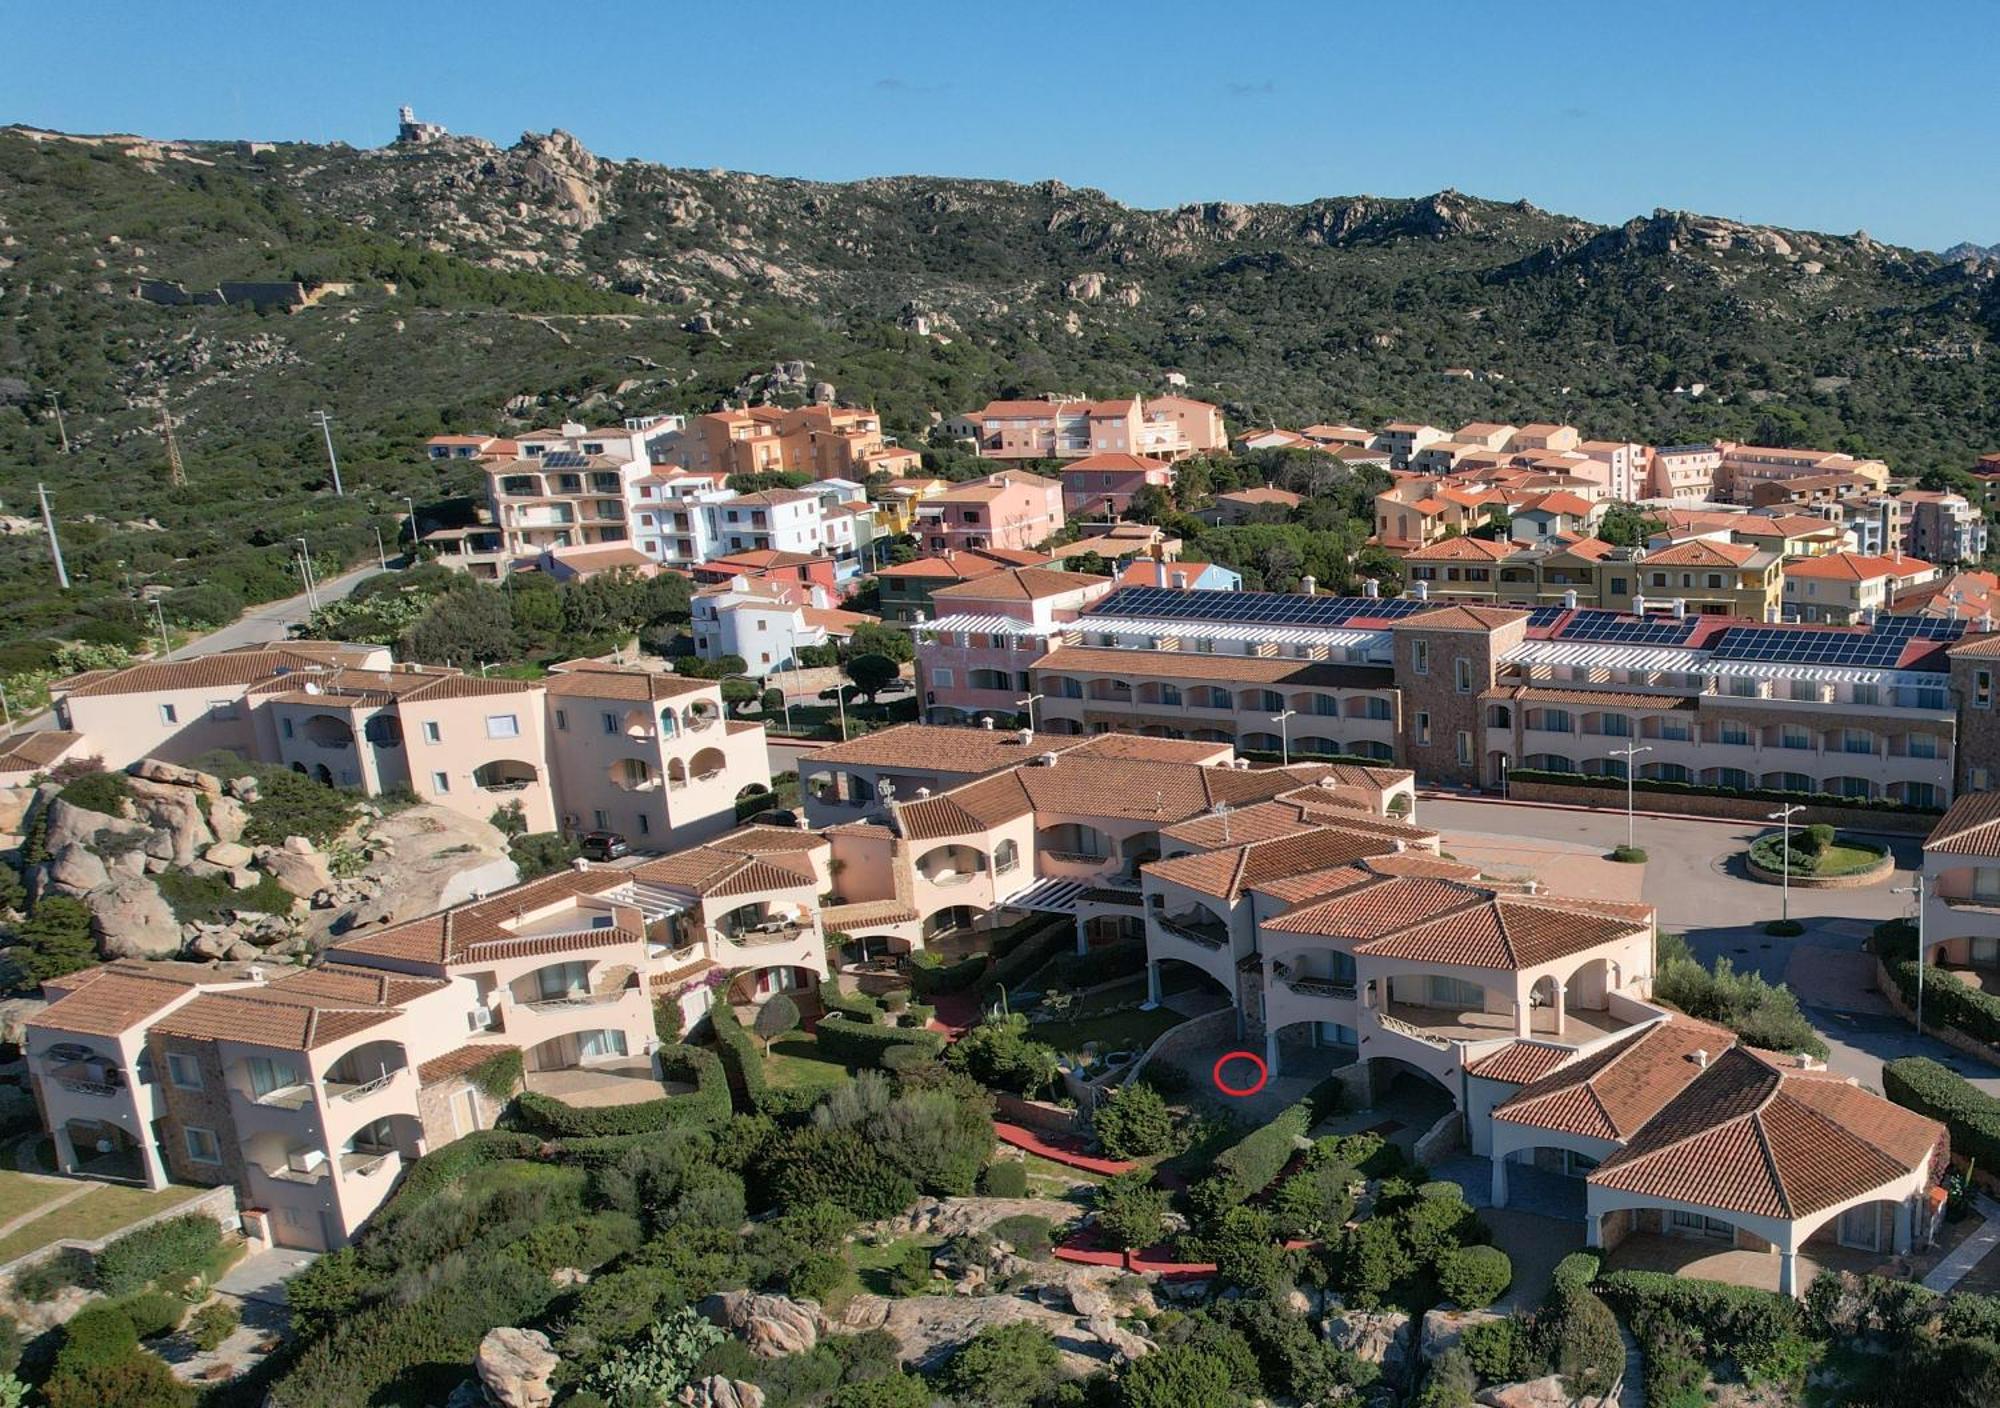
1412, 1031
756, 938
1322, 987
285, 1097
573, 999
951, 877
521, 786
1207, 937
364, 1090
700, 722
1074, 858
363, 1162
78, 1085
285, 1173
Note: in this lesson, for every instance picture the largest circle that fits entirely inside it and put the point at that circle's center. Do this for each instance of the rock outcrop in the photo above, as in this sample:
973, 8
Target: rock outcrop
1382, 1337
515, 1366
715, 1391
768, 1325
132, 919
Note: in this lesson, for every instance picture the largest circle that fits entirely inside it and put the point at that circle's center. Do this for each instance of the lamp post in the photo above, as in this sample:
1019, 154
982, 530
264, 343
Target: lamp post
1029, 704
381, 553
1629, 753
160, 619
1784, 816
1916, 888
1284, 735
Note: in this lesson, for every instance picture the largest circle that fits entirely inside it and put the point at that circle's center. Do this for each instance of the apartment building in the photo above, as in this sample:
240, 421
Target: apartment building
904, 589
826, 442
1174, 427
1463, 693
1418, 510
1846, 588
1010, 509
1684, 474
1252, 505
568, 487
1401, 439
1538, 518
1167, 428
1715, 578
974, 656
310, 1089
1789, 534
765, 622
1943, 527
1624, 467
1106, 483
1742, 469
470, 447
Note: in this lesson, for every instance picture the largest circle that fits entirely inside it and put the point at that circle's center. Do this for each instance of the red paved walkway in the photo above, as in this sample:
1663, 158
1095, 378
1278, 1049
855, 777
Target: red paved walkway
1062, 1151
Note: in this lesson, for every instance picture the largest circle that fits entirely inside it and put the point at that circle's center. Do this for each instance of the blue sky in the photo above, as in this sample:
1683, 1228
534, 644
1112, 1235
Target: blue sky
1831, 116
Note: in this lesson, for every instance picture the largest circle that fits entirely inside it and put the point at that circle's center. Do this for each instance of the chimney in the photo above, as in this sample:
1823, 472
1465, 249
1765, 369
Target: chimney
1569, 599
1371, 587
1159, 572
1701, 1059
1308, 584
1180, 581
1868, 618
1680, 608
986, 722
1421, 590
1771, 615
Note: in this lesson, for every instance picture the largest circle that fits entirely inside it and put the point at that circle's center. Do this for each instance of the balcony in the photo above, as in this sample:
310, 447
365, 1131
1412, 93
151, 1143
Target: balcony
1337, 989
1212, 936
341, 1090
285, 1097
1076, 858
1399, 1027
774, 931
570, 1000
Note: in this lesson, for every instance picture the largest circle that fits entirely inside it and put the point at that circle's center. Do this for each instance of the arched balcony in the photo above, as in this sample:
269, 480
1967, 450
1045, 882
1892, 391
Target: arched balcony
1314, 745
700, 715
1140, 848
1157, 692
677, 774
1324, 706
1499, 716
990, 679
1551, 721
951, 865
366, 1069
1666, 772
1208, 696
1860, 788
763, 922
1368, 706
669, 723
708, 764
1061, 687
950, 920
327, 731
1073, 843
1549, 762
1110, 691
633, 775
505, 775
383, 731
1371, 749
1266, 701
1260, 743
1727, 777
1196, 924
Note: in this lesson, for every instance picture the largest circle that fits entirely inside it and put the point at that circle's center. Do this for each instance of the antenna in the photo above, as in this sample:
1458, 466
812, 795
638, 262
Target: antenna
176, 472
55, 545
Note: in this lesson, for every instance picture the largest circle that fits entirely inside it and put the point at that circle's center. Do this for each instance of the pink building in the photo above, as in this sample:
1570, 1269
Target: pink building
1106, 483
973, 659
1170, 427
1010, 509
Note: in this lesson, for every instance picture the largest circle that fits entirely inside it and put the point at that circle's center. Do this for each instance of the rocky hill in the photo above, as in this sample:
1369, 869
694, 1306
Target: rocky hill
504, 286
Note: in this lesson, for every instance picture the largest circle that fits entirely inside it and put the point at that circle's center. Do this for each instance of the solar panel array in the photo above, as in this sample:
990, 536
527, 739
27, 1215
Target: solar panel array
1775, 645
1253, 608
563, 459
1612, 628
1920, 627
1544, 616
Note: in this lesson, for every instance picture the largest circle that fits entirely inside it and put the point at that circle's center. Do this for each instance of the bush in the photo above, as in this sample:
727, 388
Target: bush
48, 1278
894, 1391
1948, 1000
1589, 1352
837, 1166
1758, 1329
1006, 1179
100, 1333
540, 853
1452, 1381
705, 1107
1004, 1366
777, 1016
1133, 1121
99, 792
166, 1253
906, 1058
152, 1313
929, 979
1373, 1262
212, 1324
1694, 789
855, 1006
1315, 1201
1131, 1212
741, 1060
1629, 855
1027, 1234
135, 1381
291, 804
823, 1277
1474, 1277
54, 939
1970, 1115
1261, 1156
854, 1044
1574, 1272
911, 1275
1000, 1053
1503, 1351
1178, 1376
1763, 1015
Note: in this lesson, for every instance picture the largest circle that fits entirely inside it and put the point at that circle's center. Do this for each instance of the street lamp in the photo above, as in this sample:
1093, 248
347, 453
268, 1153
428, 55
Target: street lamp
1029, 704
1284, 735
381, 553
1785, 876
1916, 888
1628, 753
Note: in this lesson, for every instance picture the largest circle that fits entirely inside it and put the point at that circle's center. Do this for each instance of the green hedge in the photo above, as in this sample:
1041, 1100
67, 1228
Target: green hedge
447, 1166
1948, 1000
1102, 965
930, 979
1969, 1113
1696, 789
864, 1044
741, 1060
1030, 952
167, 1253
858, 1006
1260, 1156
1731, 1319
707, 1106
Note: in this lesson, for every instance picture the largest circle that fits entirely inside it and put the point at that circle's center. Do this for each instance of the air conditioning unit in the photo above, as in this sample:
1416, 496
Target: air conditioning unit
305, 1160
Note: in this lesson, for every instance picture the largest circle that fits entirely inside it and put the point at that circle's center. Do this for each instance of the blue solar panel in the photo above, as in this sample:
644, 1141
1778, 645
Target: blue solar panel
1775, 645
1544, 615
563, 459
1611, 627
1252, 608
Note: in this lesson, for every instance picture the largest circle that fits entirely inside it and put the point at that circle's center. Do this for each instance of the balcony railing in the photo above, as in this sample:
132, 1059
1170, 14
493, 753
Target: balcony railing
341, 1091
518, 786
951, 877
363, 1162
1207, 935
1322, 987
766, 934
83, 1085
573, 999
1075, 858
1412, 1031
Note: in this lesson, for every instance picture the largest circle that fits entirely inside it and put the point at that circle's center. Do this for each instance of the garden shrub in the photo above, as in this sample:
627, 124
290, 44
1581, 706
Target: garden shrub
1373, 1262
48, 1278
135, 1381
837, 1166
152, 1313
737, 1049
1133, 1121
100, 1333
1697, 789
1949, 1001
1006, 1179
1764, 1015
1503, 1351
894, 1391
860, 1044
212, 1324
1474, 1277
823, 1277
911, 1275
655, 1367
906, 1058
1177, 1376
104, 792
1261, 1155
931, 976
167, 1253
1003, 1366
1370, 1155
1451, 1383
1315, 1201
291, 804
1131, 1212
855, 1006
1588, 1351
1000, 1053
1574, 1272
1760, 1330
1027, 1234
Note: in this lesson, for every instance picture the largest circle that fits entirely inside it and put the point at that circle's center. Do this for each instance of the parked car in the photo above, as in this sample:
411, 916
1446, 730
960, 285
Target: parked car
605, 845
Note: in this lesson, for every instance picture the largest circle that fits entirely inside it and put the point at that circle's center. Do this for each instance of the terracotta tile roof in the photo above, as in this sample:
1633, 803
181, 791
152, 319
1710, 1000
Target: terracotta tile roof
1590, 698
1561, 501
457, 1062
714, 873
110, 1003
476, 928
1970, 828
37, 749
1702, 552
1428, 919
1225, 874
1462, 618
203, 672
1461, 549
964, 564
592, 679
1746, 1137
1155, 750
1287, 814
1854, 567
1976, 647
266, 1017
1191, 665
1115, 460
1611, 1092
1264, 495
963, 752
1520, 1062
1018, 584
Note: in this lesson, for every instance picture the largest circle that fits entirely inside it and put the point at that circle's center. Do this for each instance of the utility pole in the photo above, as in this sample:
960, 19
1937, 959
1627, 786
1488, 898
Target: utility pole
1917, 889
55, 399
55, 545
325, 424
306, 573
176, 471
381, 553
1785, 876
166, 641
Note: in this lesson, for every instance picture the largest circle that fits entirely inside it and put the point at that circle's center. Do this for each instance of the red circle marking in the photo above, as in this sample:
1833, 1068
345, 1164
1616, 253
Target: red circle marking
1240, 1091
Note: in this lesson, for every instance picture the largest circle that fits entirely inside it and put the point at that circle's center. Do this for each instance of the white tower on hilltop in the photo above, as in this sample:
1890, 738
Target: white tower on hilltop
413, 132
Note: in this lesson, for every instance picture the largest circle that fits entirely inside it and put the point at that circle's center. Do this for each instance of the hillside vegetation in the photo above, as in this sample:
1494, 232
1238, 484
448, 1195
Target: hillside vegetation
504, 287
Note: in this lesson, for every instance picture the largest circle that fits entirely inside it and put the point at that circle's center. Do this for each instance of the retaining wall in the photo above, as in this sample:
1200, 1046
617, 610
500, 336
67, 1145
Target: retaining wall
1722, 808
219, 1203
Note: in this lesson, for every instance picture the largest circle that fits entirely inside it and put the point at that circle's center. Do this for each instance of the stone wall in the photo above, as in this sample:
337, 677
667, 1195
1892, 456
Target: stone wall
207, 1108
218, 1203
1722, 808
1190, 1035
1441, 1140
1037, 1115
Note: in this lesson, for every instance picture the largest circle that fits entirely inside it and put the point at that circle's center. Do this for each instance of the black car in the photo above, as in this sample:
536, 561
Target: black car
605, 845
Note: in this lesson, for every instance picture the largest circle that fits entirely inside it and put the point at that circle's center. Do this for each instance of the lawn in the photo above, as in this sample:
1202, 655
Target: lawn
97, 1214
1049, 1179
21, 1194
874, 1261
794, 1063
1129, 1030
1838, 859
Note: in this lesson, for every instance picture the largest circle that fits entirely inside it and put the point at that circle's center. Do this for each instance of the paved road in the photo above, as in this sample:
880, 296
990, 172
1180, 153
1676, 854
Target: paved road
1694, 879
274, 619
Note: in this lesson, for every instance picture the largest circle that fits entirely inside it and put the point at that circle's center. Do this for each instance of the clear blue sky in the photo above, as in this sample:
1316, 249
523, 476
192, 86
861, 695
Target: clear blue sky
1831, 116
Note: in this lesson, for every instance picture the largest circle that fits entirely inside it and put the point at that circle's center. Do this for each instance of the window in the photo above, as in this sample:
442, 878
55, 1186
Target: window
1982, 689
1732, 733
267, 1075
1986, 883
941, 677
503, 726
202, 1147
598, 820
1423, 729
562, 720
168, 715
645, 824
1461, 675
1454, 993
1007, 856
440, 782
1464, 749
562, 980
1867, 694
609, 720
1791, 736
433, 733
183, 1070
1420, 656
285, 727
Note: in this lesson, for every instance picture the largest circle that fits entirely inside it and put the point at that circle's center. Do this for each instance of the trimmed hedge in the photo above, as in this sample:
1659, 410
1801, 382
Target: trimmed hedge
930, 979
1948, 1000
742, 1062
707, 1106
1733, 1320
1697, 789
1969, 1113
864, 1044
1102, 965
1260, 1156
1028, 954
858, 1006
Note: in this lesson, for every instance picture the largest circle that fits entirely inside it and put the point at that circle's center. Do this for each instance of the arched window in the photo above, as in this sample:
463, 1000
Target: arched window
1006, 856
